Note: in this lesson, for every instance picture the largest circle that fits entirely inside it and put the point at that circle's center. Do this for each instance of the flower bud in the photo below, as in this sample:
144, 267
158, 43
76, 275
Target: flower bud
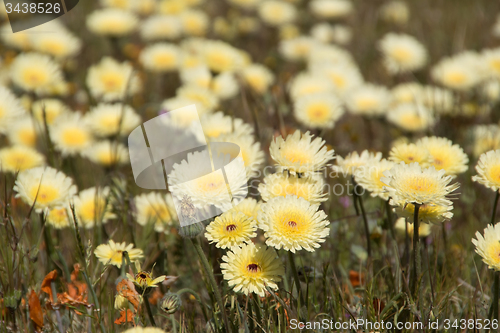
192, 230
170, 303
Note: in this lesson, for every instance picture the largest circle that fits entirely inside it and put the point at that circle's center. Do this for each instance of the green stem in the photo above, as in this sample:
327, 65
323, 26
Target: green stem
211, 278
494, 212
94, 296
195, 294
390, 219
174, 325
496, 290
496, 284
295, 275
416, 252
367, 229
150, 313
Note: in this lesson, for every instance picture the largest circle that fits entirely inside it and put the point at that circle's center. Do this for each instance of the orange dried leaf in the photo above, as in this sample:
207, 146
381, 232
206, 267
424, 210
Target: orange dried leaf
356, 279
76, 271
126, 289
36, 313
155, 297
126, 316
46, 284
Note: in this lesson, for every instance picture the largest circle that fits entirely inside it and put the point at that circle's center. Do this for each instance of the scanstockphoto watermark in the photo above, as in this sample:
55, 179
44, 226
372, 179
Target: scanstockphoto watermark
366, 325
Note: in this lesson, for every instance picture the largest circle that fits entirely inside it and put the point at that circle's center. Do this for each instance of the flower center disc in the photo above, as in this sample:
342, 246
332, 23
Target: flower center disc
231, 227
254, 268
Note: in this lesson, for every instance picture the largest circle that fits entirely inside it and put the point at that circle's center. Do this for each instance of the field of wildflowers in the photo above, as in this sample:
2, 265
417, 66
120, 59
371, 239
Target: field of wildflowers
340, 171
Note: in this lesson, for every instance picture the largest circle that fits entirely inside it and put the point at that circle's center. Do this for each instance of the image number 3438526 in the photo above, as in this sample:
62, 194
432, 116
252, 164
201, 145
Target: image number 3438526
26, 14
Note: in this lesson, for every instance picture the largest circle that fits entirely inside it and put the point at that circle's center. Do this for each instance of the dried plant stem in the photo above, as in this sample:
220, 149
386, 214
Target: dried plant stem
208, 270
295, 275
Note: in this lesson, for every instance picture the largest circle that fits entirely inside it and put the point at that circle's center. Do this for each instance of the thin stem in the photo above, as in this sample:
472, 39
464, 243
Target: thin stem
416, 252
291, 261
496, 284
494, 212
496, 290
150, 313
367, 229
174, 325
211, 278
390, 219
192, 292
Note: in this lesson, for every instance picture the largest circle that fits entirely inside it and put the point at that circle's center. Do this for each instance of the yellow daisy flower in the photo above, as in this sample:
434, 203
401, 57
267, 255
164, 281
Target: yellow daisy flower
112, 80
348, 165
252, 268
411, 117
300, 153
34, 71
410, 153
293, 224
231, 229
194, 22
217, 124
253, 156
402, 53
410, 183
488, 169
71, 134
10, 109
445, 155
434, 214
52, 107
155, 208
45, 187
401, 225
221, 57
19, 158
160, 57
318, 110
257, 77
111, 119
143, 281
368, 176
59, 217
277, 13
112, 253
92, 207
194, 178
488, 246
112, 22
23, 132
280, 185
248, 206
59, 43
107, 153
486, 138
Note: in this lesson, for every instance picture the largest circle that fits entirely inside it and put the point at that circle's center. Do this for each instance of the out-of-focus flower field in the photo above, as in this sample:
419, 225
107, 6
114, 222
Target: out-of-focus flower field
369, 134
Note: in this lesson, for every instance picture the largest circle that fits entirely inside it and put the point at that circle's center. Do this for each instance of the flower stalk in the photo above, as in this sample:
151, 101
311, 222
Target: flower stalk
417, 260
295, 275
496, 282
208, 270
